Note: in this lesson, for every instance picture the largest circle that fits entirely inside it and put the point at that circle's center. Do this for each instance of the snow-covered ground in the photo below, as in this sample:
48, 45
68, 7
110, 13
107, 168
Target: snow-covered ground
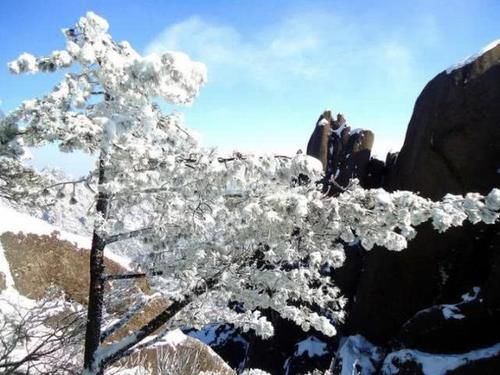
358, 356
12, 220
311, 347
14, 307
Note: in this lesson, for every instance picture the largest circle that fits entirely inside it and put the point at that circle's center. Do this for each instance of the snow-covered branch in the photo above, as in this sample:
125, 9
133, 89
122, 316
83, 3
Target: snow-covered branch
256, 230
128, 235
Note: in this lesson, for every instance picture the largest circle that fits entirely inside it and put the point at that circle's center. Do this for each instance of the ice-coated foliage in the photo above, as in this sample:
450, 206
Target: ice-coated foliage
254, 231
124, 81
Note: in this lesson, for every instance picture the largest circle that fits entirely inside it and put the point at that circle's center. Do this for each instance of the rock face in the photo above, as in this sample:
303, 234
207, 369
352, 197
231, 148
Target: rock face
290, 350
452, 145
318, 143
345, 153
39, 263
435, 269
186, 356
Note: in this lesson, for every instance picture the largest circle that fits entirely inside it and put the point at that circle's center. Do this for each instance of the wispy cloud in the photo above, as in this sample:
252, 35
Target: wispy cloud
312, 45
352, 62
267, 57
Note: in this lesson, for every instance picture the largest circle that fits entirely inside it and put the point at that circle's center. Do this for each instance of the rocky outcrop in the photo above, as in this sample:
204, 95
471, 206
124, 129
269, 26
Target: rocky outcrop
289, 351
318, 143
182, 355
452, 145
345, 153
484, 361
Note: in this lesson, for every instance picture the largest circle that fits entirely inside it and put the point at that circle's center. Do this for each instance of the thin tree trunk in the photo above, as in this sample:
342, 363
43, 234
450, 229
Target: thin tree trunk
96, 289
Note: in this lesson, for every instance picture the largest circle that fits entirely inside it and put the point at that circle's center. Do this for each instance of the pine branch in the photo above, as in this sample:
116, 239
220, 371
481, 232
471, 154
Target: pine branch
118, 350
125, 276
128, 235
124, 319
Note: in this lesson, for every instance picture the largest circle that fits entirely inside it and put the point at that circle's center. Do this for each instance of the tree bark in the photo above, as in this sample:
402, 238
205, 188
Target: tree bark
96, 288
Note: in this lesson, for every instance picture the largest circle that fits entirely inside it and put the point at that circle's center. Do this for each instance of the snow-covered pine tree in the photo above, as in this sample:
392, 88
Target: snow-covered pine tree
242, 228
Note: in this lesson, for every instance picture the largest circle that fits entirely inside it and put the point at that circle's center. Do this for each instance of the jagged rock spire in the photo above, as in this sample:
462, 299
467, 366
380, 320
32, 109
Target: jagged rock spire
345, 153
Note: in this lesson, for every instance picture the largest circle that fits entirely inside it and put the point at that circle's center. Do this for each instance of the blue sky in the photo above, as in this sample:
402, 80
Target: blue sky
273, 65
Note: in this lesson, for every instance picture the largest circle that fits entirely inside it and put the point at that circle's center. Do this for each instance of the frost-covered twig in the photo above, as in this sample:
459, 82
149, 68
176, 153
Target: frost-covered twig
131, 312
128, 235
42, 338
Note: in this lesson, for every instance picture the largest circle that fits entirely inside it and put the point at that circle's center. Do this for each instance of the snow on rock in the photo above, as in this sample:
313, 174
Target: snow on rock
254, 371
217, 334
308, 354
12, 220
339, 130
452, 311
174, 337
358, 356
13, 304
435, 364
323, 122
311, 347
472, 58
212, 334
472, 295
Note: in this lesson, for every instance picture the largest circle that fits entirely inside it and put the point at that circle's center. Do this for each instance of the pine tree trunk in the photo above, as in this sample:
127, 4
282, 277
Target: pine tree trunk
96, 289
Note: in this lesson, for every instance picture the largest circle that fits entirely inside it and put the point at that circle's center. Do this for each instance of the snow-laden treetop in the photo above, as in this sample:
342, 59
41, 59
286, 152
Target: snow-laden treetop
126, 82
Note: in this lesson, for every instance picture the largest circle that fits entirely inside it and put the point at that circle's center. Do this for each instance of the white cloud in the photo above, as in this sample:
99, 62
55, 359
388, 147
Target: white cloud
268, 57
314, 45
343, 61
212, 43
